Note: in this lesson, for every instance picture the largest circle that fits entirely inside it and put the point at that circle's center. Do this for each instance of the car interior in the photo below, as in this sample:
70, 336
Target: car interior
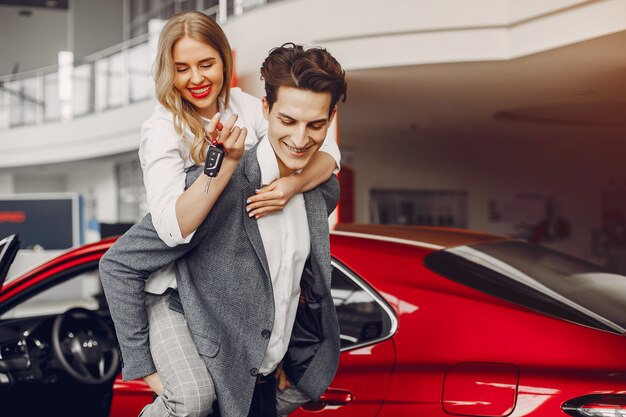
58, 351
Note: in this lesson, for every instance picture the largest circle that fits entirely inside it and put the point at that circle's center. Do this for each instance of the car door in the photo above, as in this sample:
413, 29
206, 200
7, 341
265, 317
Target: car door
8, 249
366, 325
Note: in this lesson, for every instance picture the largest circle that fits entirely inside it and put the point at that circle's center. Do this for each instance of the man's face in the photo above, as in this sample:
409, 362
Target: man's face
297, 127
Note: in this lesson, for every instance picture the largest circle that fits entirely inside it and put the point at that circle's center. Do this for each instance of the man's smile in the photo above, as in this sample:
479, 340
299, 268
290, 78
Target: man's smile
299, 151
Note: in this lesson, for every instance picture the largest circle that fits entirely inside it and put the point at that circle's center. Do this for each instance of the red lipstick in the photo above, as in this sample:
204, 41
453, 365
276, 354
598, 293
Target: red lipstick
200, 92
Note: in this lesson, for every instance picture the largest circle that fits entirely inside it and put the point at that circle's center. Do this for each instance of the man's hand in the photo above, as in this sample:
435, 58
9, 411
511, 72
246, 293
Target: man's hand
273, 197
281, 378
154, 382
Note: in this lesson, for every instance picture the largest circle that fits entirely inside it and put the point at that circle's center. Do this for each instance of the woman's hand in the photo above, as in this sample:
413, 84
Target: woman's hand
193, 205
154, 382
273, 197
232, 137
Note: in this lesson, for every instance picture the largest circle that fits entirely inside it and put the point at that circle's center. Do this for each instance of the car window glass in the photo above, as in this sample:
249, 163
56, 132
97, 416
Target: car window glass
361, 317
82, 290
539, 278
581, 282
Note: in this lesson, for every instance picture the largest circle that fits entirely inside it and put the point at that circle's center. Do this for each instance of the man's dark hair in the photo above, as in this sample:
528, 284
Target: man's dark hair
313, 69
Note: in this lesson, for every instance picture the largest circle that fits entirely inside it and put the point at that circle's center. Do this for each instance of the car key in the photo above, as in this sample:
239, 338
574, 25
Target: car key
214, 157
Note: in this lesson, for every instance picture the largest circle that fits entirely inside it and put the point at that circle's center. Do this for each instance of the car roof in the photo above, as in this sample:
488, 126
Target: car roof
425, 236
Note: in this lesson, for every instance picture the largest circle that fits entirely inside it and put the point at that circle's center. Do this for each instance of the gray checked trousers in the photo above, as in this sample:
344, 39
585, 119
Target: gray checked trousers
188, 389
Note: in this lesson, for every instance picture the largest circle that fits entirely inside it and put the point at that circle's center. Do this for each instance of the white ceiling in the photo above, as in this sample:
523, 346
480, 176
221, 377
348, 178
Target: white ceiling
577, 91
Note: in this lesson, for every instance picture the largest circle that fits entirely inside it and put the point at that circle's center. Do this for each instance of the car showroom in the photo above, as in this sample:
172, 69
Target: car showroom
477, 250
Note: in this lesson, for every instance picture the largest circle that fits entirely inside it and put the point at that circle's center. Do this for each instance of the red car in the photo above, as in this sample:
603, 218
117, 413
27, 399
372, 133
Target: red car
434, 322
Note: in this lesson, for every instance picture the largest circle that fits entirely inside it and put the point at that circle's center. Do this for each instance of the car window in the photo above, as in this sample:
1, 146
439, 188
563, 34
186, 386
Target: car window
362, 315
82, 290
539, 278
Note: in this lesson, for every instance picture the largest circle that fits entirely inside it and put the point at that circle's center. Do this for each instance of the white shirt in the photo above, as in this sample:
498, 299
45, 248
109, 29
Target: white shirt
287, 245
164, 157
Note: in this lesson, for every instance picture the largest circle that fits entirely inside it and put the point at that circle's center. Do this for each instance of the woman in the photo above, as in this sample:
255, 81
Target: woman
193, 71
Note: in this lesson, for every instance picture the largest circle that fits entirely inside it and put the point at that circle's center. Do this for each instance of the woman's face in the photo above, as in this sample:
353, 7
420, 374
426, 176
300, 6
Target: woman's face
199, 74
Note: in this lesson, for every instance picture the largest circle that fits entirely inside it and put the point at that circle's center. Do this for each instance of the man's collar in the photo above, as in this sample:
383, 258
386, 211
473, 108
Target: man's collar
267, 161
251, 168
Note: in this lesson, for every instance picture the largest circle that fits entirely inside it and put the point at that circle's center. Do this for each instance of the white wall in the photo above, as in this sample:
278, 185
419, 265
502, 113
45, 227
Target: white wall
95, 181
32, 42
100, 177
97, 25
6, 183
33, 183
574, 172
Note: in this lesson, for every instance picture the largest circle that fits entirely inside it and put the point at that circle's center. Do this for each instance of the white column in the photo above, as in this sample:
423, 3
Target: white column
66, 73
222, 13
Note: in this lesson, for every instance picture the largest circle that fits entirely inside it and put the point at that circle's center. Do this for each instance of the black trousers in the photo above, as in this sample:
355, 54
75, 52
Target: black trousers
264, 397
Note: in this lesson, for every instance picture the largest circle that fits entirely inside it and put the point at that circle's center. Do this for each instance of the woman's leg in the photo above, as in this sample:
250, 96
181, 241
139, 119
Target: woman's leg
188, 387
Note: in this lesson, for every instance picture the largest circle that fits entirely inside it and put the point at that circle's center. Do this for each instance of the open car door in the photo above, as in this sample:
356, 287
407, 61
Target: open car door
8, 249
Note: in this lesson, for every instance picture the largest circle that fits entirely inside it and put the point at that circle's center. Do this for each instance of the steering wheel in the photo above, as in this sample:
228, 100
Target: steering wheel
93, 356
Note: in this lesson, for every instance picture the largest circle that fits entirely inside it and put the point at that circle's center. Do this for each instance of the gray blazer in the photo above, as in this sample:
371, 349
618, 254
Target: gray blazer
226, 293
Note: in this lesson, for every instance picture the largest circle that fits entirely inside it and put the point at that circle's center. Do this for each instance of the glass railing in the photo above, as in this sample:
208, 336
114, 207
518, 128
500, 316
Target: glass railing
115, 77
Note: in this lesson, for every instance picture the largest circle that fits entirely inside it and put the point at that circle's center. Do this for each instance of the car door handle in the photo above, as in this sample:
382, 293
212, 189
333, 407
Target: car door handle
331, 397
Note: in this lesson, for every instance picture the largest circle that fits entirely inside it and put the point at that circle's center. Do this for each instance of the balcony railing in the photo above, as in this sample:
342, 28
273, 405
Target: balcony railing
115, 77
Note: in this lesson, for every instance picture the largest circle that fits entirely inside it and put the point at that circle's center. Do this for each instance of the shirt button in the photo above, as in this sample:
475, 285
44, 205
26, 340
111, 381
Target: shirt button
254, 372
266, 333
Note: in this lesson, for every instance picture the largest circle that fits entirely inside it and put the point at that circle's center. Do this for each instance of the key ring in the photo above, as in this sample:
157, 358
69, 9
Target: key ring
214, 141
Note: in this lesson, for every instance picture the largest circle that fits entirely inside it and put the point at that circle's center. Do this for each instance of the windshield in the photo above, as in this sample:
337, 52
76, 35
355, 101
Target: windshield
541, 278
27, 260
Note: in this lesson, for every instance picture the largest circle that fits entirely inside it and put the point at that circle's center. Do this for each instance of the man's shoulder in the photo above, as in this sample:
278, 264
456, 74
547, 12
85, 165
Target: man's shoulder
329, 193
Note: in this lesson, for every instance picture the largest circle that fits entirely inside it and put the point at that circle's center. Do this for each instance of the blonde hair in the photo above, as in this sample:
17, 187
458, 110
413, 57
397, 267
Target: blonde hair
200, 27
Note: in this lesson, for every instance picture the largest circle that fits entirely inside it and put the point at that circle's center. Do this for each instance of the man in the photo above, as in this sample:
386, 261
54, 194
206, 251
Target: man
255, 292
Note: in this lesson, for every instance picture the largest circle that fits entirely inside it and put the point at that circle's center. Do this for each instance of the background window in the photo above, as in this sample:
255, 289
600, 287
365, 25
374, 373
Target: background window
446, 208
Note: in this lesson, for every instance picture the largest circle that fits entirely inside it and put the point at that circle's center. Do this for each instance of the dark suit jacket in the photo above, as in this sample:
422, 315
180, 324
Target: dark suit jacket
226, 293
